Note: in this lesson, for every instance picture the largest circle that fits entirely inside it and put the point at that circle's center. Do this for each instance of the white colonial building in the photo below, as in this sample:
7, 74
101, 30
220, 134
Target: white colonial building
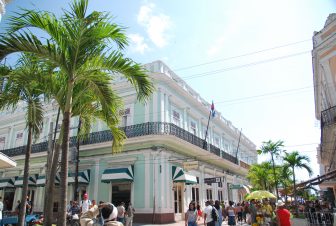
164, 164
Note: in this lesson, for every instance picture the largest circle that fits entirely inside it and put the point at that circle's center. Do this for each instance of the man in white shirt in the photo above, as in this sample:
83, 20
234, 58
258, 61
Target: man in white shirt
85, 204
208, 221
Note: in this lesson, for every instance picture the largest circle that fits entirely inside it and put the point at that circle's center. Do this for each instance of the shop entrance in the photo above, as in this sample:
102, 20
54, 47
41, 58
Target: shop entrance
121, 192
178, 197
8, 199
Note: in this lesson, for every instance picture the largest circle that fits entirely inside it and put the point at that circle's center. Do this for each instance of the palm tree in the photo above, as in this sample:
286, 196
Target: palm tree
285, 179
24, 84
80, 47
273, 148
295, 160
259, 175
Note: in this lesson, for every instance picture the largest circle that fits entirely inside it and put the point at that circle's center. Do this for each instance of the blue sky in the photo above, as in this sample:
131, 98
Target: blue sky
268, 94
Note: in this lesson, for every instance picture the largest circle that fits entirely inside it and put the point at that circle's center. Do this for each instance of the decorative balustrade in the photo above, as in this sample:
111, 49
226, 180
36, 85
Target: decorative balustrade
144, 129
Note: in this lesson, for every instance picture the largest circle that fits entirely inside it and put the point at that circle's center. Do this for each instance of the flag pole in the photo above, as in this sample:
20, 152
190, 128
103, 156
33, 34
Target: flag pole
206, 132
212, 112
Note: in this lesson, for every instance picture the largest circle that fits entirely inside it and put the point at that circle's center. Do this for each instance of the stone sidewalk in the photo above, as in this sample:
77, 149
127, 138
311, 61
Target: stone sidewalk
295, 222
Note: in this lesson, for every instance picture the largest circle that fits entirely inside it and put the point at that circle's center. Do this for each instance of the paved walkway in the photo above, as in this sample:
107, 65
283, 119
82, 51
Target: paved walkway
295, 222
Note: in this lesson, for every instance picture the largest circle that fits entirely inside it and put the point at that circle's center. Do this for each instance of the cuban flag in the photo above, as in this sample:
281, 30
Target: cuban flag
212, 111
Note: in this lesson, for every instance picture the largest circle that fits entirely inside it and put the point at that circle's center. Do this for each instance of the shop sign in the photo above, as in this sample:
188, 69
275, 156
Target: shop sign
190, 165
236, 186
213, 180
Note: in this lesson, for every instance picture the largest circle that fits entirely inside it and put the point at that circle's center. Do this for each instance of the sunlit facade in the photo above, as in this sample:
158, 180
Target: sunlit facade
324, 68
164, 163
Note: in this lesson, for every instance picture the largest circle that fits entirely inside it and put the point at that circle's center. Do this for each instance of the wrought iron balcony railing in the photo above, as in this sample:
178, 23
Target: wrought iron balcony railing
149, 128
328, 117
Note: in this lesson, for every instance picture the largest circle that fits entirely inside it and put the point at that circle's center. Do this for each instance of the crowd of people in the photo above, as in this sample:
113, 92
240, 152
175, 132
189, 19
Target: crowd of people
88, 213
253, 213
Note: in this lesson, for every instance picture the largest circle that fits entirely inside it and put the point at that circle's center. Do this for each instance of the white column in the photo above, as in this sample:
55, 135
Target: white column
199, 127
96, 180
185, 119
167, 104
202, 187
162, 106
110, 192
10, 137
147, 111
147, 180
163, 181
169, 184
156, 184
155, 106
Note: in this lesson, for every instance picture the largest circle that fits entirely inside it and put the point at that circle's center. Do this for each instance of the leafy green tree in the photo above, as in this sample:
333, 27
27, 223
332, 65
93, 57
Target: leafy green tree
274, 149
295, 160
25, 85
260, 176
79, 44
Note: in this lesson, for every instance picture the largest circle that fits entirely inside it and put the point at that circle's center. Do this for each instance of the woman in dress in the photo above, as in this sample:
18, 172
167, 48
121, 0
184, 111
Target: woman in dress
191, 215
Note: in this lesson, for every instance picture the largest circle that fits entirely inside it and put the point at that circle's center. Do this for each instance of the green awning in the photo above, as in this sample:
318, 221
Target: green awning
121, 174
83, 177
41, 180
178, 175
31, 181
7, 183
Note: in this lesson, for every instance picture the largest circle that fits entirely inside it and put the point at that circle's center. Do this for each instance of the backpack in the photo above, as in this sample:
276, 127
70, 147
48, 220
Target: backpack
214, 214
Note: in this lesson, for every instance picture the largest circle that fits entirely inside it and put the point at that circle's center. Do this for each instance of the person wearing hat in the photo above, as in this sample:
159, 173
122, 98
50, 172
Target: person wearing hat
283, 215
109, 213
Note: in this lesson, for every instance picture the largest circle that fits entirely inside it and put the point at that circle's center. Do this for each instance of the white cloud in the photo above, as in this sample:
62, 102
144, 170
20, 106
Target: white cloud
156, 25
138, 43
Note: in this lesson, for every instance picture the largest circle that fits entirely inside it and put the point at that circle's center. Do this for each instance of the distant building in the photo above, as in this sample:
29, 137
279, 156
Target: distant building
324, 68
164, 164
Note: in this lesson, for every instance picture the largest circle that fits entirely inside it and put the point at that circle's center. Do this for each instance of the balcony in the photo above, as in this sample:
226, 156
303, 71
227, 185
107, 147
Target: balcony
144, 129
328, 117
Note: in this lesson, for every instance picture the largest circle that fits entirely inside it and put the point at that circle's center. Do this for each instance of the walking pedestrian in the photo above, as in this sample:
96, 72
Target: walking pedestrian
86, 218
109, 213
129, 215
121, 212
231, 212
220, 213
208, 220
283, 215
191, 215
85, 204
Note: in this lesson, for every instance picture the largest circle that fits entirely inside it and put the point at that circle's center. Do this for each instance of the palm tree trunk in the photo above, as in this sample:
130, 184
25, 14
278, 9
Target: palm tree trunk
49, 199
64, 159
275, 178
51, 174
296, 206
22, 213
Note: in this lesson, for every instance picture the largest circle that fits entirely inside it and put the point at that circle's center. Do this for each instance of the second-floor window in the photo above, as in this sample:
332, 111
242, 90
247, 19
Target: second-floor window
19, 139
216, 141
176, 118
2, 143
193, 127
124, 116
